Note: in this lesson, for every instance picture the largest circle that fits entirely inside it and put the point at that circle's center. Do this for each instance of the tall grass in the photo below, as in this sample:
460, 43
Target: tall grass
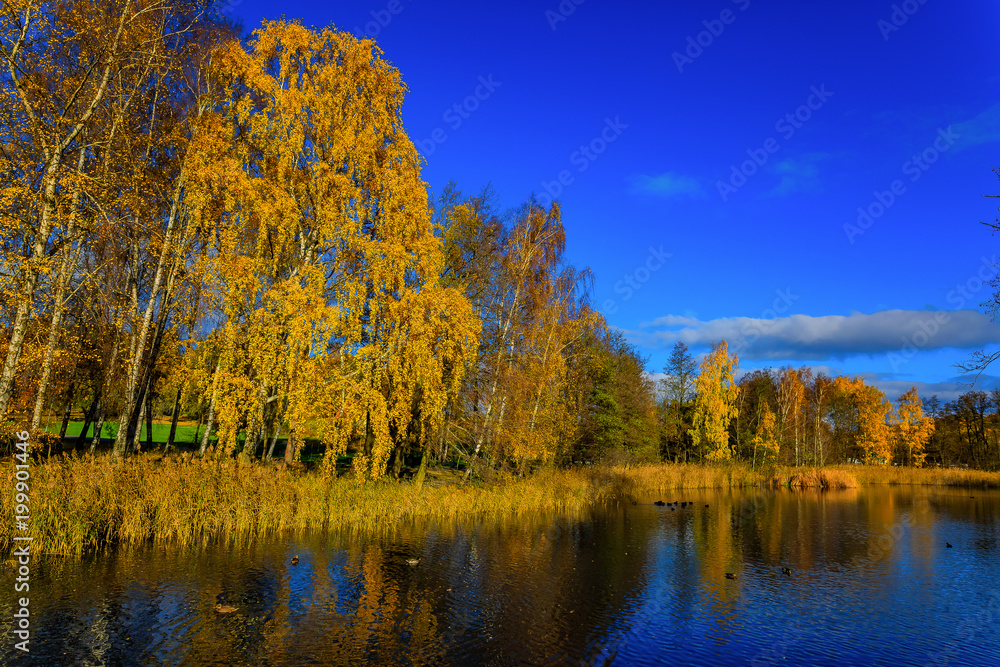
665, 477
86, 503
924, 476
644, 480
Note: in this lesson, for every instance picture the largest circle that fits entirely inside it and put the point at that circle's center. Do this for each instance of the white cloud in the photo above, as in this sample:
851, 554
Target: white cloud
827, 336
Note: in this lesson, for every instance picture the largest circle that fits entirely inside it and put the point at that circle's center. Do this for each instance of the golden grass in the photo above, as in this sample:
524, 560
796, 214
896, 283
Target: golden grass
823, 478
665, 477
923, 476
81, 503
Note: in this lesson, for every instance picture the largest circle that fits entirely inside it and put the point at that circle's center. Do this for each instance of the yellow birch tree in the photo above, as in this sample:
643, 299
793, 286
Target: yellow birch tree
715, 403
328, 270
913, 429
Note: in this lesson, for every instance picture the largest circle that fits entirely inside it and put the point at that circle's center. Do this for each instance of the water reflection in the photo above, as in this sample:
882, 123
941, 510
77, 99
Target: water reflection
871, 581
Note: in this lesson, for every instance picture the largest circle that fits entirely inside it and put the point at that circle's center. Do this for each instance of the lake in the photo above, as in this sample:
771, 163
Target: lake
872, 582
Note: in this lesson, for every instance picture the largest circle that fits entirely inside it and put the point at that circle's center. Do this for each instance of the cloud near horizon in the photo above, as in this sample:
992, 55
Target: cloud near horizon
827, 336
946, 391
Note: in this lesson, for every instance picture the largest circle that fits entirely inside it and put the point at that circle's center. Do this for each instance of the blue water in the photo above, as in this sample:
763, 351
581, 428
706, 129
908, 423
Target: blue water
872, 583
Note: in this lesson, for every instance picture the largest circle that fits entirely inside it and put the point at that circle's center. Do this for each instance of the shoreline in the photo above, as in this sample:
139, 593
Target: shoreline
83, 504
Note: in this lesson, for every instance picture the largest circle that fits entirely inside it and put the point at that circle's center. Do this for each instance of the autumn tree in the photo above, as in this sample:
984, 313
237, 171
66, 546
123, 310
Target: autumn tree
970, 415
913, 429
819, 399
61, 66
529, 281
162, 229
873, 436
715, 404
765, 438
860, 416
791, 402
756, 404
327, 267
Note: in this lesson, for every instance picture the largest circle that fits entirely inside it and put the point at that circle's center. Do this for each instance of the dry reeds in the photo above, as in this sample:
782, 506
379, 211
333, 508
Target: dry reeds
904, 475
79, 504
823, 478
666, 477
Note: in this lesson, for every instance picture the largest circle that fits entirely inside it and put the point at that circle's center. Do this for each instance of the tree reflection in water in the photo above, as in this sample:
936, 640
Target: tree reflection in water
625, 583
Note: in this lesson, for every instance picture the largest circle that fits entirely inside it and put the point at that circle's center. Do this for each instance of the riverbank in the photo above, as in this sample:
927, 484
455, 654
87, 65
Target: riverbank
81, 504
665, 477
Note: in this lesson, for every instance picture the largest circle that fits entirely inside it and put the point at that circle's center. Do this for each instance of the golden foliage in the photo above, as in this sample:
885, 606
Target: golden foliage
715, 404
913, 429
765, 439
326, 266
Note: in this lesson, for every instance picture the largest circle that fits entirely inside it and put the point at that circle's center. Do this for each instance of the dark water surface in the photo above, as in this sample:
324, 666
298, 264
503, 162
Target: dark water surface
872, 583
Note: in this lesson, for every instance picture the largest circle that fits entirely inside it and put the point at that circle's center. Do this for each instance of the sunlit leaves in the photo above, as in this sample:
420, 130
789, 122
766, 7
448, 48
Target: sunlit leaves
327, 268
715, 404
913, 429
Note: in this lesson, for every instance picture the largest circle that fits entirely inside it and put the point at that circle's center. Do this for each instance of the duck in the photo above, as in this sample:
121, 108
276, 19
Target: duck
412, 561
730, 575
706, 505
225, 608
785, 571
295, 560
659, 503
947, 545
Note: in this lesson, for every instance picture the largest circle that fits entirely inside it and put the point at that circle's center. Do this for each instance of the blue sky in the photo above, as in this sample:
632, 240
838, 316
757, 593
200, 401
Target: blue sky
805, 180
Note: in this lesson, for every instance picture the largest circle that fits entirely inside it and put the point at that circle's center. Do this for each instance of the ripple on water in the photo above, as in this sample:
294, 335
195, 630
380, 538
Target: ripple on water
629, 585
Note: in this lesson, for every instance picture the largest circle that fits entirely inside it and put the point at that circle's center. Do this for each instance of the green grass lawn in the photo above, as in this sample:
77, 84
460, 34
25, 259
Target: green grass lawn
185, 438
185, 432
185, 435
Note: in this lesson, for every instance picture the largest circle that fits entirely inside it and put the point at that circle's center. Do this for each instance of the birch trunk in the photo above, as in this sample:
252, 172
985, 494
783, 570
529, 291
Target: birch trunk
159, 278
109, 369
53, 154
211, 410
91, 413
66, 268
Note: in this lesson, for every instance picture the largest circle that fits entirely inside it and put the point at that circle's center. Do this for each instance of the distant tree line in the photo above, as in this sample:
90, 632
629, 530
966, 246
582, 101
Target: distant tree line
795, 417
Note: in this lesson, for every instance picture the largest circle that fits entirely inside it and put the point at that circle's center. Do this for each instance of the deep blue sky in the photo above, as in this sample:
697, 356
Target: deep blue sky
677, 119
